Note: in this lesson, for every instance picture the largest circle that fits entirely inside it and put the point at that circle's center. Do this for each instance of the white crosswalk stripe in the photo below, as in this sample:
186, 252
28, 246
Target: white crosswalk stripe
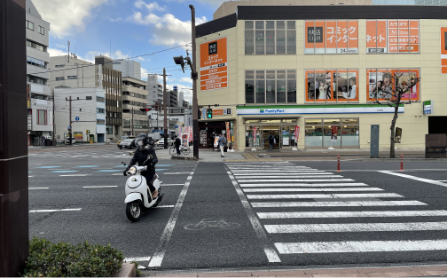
322, 196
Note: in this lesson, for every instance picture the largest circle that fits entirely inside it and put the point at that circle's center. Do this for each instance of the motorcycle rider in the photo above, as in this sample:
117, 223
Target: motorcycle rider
144, 150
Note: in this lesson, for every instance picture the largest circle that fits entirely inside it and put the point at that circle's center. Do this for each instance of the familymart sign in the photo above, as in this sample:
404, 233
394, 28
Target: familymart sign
317, 109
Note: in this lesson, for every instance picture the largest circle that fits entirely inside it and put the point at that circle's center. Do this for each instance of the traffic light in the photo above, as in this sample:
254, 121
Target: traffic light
180, 61
209, 113
144, 109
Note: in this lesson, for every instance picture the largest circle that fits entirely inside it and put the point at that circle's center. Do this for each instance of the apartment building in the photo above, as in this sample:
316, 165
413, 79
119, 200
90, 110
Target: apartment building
128, 68
39, 96
135, 96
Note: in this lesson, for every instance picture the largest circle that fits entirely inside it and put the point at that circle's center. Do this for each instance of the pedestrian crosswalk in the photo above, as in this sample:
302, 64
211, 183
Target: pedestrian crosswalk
294, 205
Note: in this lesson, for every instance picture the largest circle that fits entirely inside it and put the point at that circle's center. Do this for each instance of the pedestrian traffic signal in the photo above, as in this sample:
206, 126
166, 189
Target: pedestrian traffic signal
209, 113
144, 109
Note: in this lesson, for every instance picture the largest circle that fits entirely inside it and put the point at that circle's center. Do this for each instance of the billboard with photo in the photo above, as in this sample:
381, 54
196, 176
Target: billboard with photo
380, 84
332, 85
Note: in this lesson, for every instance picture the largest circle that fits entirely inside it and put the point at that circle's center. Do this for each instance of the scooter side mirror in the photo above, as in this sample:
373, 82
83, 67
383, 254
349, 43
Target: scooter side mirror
123, 163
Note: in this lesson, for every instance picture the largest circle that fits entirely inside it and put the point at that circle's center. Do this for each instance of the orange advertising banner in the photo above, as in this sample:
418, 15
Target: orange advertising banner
331, 37
353, 27
342, 37
444, 50
392, 36
213, 59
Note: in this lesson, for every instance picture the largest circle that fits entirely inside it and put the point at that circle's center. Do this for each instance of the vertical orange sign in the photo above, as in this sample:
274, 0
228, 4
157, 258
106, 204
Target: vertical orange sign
444, 50
393, 38
353, 43
331, 37
414, 36
342, 36
213, 65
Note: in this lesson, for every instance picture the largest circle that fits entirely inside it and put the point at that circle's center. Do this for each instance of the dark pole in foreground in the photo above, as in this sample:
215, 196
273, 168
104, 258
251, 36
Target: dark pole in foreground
195, 107
165, 118
13, 139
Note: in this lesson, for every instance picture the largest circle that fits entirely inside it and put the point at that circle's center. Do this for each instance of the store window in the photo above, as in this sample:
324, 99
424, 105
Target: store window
258, 131
331, 37
332, 132
392, 36
270, 37
270, 86
332, 85
381, 85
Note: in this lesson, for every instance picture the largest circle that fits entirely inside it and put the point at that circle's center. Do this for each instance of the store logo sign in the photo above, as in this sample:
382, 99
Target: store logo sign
272, 111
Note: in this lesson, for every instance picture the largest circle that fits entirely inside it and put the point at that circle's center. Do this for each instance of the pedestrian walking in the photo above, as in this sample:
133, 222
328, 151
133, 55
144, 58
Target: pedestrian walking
222, 142
271, 139
177, 143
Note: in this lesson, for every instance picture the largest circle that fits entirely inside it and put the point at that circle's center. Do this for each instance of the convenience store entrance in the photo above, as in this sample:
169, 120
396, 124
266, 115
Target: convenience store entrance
258, 131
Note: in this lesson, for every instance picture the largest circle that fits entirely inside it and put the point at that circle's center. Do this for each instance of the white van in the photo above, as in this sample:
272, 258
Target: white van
67, 140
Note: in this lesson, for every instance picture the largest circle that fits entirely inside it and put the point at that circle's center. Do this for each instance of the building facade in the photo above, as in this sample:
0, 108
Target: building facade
134, 98
88, 114
128, 68
154, 89
277, 69
39, 95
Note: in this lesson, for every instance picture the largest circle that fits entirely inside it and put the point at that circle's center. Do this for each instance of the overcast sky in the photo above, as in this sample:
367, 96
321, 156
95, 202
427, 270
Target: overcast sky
134, 27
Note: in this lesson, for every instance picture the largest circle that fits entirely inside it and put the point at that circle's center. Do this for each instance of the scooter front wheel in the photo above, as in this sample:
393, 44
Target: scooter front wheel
133, 211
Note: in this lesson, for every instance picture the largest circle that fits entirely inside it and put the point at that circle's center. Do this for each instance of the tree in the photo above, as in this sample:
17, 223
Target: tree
388, 92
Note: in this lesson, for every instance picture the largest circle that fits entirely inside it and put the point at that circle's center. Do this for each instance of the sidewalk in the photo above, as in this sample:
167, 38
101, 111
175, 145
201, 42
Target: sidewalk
411, 271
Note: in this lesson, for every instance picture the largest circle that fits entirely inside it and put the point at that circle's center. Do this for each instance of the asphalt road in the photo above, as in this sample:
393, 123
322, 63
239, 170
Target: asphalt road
246, 214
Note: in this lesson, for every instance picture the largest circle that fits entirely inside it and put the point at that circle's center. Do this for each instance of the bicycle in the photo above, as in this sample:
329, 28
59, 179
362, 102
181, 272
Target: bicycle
183, 149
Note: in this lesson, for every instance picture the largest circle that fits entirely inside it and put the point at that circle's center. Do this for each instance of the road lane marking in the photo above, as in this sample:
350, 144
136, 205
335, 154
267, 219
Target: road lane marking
288, 177
336, 204
48, 167
100, 186
166, 206
269, 251
79, 175
37, 188
350, 214
323, 196
173, 184
66, 171
301, 184
176, 173
360, 246
137, 259
118, 174
88, 166
30, 176
297, 180
282, 174
54, 210
356, 227
415, 178
109, 171
157, 258
311, 189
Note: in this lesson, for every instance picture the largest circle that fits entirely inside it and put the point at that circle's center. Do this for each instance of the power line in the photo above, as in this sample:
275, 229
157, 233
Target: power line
148, 54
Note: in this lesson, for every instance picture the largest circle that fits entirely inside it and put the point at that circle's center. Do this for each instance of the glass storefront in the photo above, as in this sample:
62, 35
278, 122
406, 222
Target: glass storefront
335, 132
258, 131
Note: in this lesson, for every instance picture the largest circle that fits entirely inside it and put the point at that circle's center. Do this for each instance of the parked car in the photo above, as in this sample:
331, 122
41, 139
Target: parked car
124, 138
161, 142
67, 140
128, 143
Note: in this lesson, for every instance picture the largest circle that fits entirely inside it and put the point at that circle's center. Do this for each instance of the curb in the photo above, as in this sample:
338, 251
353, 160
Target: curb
127, 270
184, 158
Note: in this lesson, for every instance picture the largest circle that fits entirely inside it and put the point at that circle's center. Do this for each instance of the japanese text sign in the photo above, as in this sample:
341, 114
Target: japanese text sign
213, 65
392, 36
337, 36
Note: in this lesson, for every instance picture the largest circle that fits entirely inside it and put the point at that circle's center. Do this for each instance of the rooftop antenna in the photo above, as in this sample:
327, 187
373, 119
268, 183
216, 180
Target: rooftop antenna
68, 44
110, 48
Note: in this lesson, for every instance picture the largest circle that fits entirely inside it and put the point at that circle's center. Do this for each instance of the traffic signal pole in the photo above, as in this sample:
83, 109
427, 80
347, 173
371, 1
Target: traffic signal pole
165, 118
195, 104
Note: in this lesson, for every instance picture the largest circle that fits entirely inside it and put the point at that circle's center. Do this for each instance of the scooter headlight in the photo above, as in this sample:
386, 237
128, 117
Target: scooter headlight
132, 170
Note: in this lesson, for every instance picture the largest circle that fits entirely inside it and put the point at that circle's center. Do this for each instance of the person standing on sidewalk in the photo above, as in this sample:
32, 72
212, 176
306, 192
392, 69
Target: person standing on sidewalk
177, 144
271, 139
222, 142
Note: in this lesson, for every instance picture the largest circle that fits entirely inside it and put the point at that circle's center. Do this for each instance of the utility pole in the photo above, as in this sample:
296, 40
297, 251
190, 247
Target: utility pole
14, 209
132, 123
53, 137
165, 118
69, 124
195, 112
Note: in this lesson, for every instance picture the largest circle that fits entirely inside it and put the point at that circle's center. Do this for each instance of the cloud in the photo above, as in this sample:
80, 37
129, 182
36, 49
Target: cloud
65, 15
116, 19
56, 52
119, 55
186, 80
212, 3
147, 20
172, 31
150, 6
141, 59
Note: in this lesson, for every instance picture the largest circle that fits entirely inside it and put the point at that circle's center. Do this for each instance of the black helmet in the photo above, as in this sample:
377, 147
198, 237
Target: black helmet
141, 141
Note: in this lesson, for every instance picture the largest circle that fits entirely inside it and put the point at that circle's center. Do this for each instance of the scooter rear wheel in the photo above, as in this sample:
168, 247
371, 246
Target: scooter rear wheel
133, 211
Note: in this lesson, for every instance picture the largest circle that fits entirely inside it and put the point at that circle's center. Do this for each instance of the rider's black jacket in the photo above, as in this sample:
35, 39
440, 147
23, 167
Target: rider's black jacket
140, 157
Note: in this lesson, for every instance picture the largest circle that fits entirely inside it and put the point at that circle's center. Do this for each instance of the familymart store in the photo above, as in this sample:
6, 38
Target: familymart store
320, 126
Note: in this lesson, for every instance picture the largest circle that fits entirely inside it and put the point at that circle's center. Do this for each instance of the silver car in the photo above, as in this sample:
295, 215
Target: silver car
161, 142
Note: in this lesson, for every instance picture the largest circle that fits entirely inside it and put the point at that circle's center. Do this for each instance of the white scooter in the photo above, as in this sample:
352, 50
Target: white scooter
138, 194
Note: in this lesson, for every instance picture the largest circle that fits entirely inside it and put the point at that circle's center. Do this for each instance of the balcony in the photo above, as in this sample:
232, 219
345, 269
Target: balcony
40, 89
132, 89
